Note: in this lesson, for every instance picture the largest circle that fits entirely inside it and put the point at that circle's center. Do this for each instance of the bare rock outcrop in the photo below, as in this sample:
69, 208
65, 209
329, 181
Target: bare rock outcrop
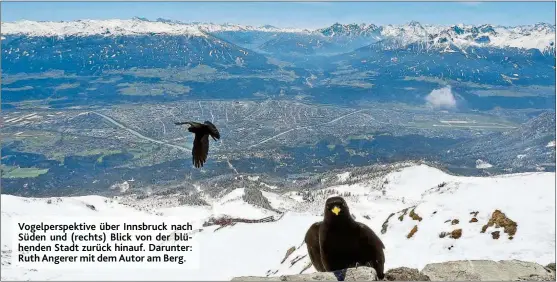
464, 270
487, 270
362, 273
405, 274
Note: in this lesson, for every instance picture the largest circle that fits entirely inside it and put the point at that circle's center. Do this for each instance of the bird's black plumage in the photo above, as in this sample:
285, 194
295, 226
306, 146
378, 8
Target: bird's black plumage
312, 243
339, 242
202, 132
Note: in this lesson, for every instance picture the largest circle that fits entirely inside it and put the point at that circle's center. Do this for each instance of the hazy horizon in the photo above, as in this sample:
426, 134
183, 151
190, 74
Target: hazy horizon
308, 15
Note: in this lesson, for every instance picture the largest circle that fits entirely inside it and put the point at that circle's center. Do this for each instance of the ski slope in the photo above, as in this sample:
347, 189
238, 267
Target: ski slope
258, 249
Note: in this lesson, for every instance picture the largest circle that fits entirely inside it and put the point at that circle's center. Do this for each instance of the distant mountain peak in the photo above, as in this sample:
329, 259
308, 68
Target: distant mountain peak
140, 19
162, 20
268, 26
414, 23
353, 29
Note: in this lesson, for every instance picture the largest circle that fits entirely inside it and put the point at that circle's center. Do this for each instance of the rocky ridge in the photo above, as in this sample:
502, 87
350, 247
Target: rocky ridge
463, 270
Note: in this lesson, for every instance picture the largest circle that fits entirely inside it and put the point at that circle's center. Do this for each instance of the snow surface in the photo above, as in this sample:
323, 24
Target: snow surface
481, 164
343, 176
233, 205
257, 249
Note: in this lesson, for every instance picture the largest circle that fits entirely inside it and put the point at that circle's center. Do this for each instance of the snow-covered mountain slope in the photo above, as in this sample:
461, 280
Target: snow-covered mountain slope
338, 29
454, 38
418, 195
132, 26
97, 46
114, 27
539, 36
234, 204
527, 199
211, 27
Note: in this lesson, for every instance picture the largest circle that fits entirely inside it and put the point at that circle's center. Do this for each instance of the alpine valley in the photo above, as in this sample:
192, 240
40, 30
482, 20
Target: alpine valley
89, 106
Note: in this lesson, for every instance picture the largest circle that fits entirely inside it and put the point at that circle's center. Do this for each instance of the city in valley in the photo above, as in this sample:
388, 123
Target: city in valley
436, 128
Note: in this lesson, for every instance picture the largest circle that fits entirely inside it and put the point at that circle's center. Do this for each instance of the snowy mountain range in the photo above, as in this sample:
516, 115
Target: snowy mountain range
497, 55
118, 27
409, 197
540, 36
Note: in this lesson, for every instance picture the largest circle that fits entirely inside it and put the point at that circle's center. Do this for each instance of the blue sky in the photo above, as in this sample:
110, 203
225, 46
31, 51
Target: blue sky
291, 14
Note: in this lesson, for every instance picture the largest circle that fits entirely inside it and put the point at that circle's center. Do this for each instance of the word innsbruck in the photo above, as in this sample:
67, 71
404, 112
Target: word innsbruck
103, 226
105, 242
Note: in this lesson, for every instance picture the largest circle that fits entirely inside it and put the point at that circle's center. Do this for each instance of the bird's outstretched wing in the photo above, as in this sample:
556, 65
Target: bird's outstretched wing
184, 122
213, 130
200, 150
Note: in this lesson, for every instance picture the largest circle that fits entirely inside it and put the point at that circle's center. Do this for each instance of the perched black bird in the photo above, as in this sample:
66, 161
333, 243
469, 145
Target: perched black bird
314, 249
201, 141
339, 242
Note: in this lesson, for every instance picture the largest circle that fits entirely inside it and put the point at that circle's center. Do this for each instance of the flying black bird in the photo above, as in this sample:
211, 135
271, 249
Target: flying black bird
201, 141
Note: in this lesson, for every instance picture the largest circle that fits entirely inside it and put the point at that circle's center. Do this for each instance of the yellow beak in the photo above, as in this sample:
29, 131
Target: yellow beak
335, 210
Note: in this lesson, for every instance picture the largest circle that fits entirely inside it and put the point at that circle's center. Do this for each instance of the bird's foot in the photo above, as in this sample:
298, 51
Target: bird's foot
340, 274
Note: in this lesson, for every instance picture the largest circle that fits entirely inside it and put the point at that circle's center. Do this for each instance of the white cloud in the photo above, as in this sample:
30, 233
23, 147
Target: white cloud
441, 98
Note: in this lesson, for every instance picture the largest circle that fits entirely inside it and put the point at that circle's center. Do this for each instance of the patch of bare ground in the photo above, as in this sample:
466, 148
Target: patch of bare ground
386, 224
457, 233
308, 265
404, 212
414, 215
412, 232
296, 259
288, 253
499, 219
495, 234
